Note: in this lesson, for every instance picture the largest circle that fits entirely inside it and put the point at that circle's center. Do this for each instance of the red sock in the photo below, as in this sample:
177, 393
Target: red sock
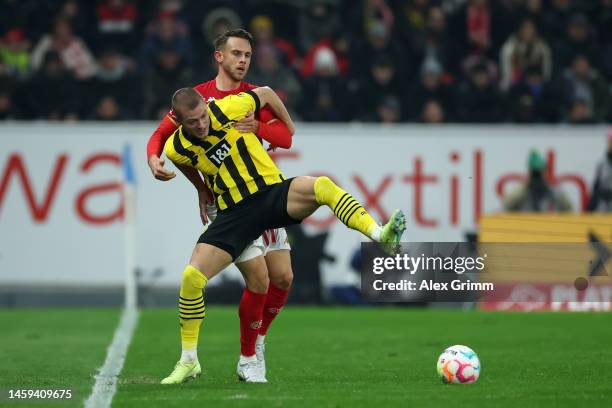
250, 311
275, 300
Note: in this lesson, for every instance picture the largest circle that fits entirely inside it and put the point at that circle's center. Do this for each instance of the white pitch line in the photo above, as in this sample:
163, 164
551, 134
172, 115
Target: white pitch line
106, 380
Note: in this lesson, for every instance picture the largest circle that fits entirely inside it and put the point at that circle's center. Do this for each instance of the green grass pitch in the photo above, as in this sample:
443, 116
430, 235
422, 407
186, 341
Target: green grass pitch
53, 349
321, 357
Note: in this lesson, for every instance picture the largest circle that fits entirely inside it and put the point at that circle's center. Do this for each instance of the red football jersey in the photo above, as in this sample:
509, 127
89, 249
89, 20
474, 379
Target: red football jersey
277, 134
209, 91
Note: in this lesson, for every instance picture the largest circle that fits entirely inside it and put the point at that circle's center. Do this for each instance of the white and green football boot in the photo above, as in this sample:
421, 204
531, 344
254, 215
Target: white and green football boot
392, 232
182, 372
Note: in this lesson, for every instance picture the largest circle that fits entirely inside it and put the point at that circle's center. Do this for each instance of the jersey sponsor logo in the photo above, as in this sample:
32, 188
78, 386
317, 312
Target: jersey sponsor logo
219, 152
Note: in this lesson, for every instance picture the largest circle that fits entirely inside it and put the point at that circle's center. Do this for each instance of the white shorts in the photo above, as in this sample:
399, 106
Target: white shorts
253, 250
275, 240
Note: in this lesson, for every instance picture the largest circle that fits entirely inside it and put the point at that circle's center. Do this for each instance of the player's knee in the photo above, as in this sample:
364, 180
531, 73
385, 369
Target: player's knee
192, 276
324, 189
323, 181
258, 284
283, 280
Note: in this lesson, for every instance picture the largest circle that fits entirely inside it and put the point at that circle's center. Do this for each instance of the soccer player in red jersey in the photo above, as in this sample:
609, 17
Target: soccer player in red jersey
233, 51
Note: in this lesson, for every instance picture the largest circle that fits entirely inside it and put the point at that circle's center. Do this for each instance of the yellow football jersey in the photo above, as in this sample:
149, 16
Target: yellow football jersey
236, 165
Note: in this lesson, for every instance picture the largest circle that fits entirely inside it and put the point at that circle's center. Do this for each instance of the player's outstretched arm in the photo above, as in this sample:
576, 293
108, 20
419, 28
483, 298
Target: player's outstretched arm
155, 146
267, 97
156, 164
268, 127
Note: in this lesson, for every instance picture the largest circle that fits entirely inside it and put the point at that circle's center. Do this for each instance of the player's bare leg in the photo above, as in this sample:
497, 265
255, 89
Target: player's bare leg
281, 278
209, 259
301, 200
255, 273
206, 261
279, 268
306, 194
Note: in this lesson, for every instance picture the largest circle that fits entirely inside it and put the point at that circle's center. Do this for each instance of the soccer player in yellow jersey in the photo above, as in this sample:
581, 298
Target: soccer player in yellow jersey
267, 290
252, 194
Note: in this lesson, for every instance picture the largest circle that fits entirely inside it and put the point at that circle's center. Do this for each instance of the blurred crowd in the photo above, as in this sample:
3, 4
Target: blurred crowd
432, 61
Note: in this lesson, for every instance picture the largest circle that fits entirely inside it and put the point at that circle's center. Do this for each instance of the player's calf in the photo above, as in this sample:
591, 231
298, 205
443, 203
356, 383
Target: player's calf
251, 306
275, 300
279, 268
191, 308
191, 311
281, 278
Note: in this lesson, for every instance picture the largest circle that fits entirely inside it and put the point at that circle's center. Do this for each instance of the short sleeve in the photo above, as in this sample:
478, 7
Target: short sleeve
255, 99
171, 153
234, 107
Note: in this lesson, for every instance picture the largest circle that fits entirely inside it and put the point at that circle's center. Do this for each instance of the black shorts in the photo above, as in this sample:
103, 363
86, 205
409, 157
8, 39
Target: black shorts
236, 227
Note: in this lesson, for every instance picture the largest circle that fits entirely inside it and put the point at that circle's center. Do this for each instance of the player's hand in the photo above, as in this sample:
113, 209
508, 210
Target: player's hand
247, 124
156, 165
203, 200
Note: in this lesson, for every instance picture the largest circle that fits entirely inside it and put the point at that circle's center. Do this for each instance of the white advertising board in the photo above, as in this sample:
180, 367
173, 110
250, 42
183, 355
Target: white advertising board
61, 207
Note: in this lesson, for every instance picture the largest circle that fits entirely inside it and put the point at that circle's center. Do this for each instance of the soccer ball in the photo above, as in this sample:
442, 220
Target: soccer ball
459, 365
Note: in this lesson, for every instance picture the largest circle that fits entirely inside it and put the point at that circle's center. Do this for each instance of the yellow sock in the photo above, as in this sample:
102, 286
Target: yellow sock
345, 207
191, 306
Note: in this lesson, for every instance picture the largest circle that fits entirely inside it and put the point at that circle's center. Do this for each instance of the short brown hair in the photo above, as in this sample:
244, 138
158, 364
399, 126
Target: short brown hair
185, 98
221, 39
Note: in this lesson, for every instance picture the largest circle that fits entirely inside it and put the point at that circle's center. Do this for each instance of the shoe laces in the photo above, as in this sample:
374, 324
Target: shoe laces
177, 366
183, 364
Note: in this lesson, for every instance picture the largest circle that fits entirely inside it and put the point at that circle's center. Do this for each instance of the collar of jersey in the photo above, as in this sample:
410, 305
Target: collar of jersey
200, 142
